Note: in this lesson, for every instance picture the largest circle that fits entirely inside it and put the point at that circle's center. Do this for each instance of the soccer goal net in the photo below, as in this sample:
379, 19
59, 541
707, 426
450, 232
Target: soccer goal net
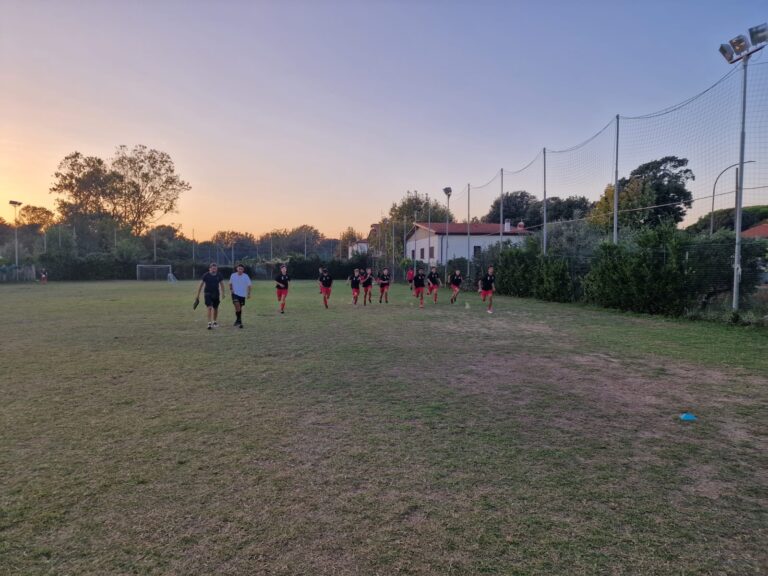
154, 272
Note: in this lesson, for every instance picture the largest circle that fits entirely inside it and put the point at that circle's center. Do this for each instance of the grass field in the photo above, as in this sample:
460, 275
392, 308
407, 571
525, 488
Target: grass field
543, 439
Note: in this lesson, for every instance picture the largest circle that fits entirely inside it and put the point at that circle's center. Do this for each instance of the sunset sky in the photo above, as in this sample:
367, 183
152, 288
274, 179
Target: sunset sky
319, 112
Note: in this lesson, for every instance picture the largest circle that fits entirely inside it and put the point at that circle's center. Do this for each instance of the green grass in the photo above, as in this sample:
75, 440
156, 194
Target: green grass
543, 439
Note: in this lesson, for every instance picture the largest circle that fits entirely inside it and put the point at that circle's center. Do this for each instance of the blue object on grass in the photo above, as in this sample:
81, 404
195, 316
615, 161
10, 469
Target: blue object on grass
688, 417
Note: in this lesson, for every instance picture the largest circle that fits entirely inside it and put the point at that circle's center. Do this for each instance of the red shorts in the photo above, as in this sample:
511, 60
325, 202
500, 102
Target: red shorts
384, 288
325, 291
486, 293
355, 291
418, 291
455, 289
282, 293
432, 288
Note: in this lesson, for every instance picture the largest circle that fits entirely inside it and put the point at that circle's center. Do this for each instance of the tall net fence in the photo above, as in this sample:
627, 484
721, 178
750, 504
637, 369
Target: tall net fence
675, 166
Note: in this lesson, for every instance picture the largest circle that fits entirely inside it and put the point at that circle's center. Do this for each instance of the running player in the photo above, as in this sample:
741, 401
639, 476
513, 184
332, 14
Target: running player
325, 282
487, 286
433, 282
354, 282
214, 292
455, 281
418, 286
239, 289
409, 278
281, 285
367, 278
384, 280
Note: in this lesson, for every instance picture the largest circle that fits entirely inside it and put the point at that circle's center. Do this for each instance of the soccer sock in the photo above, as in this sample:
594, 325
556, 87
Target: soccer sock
239, 316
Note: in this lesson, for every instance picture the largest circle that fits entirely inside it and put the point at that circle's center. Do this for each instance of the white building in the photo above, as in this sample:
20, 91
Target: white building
437, 244
359, 247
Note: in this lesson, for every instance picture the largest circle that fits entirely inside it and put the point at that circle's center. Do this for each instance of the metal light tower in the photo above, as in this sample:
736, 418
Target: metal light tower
15, 205
738, 49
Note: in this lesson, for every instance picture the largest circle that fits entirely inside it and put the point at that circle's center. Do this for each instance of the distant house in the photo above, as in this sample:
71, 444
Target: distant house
359, 247
759, 231
438, 243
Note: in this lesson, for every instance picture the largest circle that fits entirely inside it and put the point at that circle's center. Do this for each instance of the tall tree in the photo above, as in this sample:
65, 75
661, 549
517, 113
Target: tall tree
150, 186
634, 202
666, 179
516, 206
86, 184
36, 216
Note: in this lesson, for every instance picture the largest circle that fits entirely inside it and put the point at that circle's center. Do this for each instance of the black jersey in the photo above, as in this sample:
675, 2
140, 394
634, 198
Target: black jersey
367, 280
325, 280
354, 281
487, 281
418, 280
434, 278
384, 279
282, 279
212, 282
456, 279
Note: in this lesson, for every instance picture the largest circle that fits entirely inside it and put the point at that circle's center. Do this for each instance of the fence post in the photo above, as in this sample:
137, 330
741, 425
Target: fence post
469, 257
740, 190
616, 188
544, 228
501, 208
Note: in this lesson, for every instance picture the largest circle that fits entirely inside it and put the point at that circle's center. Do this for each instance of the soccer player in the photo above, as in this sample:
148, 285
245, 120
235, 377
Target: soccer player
409, 277
240, 289
281, 281
433, 282
487, 286
418, 286
325, 281
367, 284
455, 281
384, 280
354, 282
214, 292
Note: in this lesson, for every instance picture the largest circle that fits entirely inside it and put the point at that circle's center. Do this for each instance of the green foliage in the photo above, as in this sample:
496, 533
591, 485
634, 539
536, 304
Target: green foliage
552, 279
516, 272
725, 219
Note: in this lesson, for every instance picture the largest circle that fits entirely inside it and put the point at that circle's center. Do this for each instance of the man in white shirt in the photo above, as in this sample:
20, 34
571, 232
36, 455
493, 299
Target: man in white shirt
240, 288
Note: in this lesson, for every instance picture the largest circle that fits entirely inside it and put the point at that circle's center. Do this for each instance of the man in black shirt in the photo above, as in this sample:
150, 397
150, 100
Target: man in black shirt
487, 286
367, 279
455, 281
325, 281
281, 285
418, 286
384, 280
214, 292
354, 282
433, 282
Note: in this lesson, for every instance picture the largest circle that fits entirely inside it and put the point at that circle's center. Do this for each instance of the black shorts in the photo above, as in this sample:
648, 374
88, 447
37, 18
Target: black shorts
211, 300
236, 299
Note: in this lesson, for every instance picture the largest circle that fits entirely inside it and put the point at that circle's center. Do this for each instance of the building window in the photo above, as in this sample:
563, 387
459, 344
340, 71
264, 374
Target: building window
413, 254
477, 251
431, 252
421, 253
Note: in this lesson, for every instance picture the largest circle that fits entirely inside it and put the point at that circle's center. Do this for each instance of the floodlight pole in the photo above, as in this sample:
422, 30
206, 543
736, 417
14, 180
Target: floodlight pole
469, 256
448, 191
429, 232
740, 188
544, 229
501, 209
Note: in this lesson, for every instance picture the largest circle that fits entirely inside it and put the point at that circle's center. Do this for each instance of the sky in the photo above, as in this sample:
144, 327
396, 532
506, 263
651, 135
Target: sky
323, 112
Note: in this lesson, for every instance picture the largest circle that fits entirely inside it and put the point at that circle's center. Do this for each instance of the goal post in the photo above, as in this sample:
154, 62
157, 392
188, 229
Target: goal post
154, 272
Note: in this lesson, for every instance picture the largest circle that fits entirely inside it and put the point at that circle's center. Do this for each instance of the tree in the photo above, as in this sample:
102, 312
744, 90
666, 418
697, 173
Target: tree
516, 206
666, 179
87, 186
348, 237
149, 188
572, 208
725, 219
634, 213
36, 216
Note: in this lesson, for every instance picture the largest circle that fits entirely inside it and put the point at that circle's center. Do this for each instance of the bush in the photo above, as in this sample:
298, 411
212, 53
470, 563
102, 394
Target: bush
552, 279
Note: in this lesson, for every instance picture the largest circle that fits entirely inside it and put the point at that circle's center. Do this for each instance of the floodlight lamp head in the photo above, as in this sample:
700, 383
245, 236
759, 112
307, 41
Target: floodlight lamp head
14, 203
758, 34
727, 52
740, 44
448, 191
